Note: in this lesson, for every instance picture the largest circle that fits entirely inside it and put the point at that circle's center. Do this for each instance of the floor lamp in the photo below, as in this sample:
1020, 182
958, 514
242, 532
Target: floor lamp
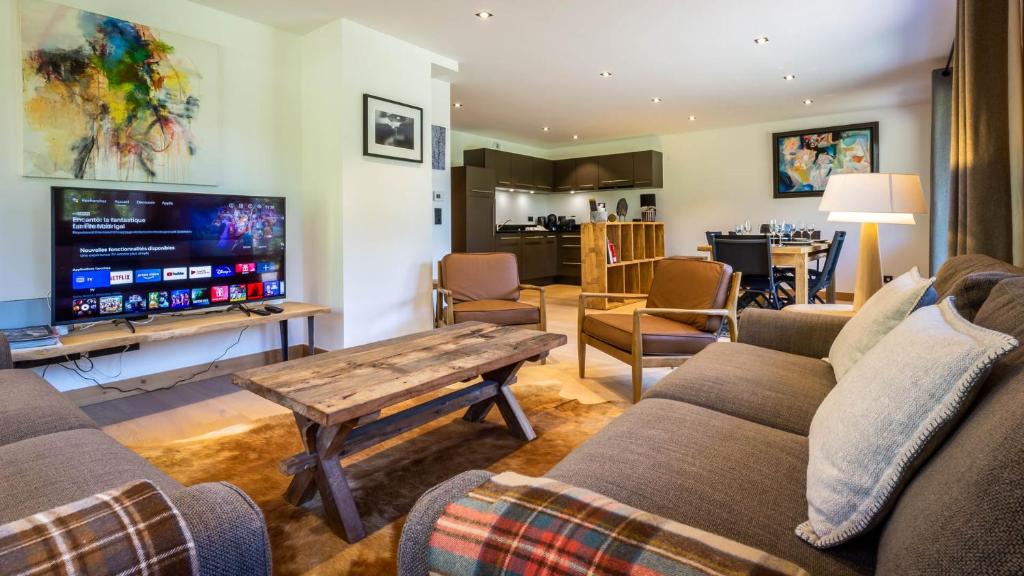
872, 199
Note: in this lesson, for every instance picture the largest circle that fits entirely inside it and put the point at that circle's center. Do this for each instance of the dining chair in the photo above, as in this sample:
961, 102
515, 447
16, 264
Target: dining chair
751, 255
818, 280
485, 287
686, 304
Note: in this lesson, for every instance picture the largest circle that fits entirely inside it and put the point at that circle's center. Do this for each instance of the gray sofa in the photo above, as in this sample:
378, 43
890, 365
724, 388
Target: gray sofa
52, 453
720, 444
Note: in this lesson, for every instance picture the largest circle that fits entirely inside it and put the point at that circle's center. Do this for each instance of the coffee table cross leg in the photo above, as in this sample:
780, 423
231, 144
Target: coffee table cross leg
325, 476
506, 401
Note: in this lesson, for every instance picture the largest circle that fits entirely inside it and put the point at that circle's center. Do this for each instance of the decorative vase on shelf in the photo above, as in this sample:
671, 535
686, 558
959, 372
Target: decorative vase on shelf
621, 209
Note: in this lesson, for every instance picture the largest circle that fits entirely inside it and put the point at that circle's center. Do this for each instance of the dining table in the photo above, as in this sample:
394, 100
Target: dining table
798, 257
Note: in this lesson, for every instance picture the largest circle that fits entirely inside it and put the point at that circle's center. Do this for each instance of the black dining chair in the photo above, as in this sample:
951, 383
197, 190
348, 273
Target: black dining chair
818, 280
752, 256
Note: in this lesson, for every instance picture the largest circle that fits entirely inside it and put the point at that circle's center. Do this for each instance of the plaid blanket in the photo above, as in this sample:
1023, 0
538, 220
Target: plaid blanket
129, 530
517, 525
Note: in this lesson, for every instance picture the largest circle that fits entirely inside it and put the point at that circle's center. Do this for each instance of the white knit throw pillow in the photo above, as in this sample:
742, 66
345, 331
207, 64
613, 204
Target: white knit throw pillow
880, 314
888, 414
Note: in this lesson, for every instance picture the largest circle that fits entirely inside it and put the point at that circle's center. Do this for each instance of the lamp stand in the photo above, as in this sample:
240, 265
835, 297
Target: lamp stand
869, 265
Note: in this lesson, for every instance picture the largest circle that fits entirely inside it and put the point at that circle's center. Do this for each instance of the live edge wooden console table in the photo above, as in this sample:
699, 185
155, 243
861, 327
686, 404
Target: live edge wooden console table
116, 339
337, 398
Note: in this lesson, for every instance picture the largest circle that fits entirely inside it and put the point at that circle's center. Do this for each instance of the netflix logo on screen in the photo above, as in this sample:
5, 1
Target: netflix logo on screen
121, 277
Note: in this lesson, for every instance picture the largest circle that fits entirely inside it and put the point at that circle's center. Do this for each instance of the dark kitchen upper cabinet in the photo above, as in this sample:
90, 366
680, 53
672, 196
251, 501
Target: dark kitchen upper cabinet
519, 172
616, 170
522, 171
587, 173
472, 209
647, 169
543, 175
565, 175
497, 160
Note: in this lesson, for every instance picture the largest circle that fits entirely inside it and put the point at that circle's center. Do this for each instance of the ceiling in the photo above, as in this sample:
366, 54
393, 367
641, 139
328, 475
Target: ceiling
536, 63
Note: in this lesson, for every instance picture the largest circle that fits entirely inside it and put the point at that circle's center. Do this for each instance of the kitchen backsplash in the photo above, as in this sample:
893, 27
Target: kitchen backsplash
517, 207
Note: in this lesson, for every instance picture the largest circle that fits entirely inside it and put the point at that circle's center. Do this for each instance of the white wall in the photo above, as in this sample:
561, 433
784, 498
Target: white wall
261, 155
716, 179
385, 210
441, 111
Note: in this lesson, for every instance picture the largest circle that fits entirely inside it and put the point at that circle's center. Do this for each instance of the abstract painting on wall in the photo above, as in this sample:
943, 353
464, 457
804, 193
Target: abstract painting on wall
803, 160
108, 99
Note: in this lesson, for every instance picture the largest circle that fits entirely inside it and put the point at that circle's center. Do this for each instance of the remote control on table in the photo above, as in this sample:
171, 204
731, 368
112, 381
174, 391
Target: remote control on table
273, 309
260, 312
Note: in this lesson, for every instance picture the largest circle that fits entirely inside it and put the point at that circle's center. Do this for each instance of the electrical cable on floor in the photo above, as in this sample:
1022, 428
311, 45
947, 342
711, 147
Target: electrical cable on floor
82, 372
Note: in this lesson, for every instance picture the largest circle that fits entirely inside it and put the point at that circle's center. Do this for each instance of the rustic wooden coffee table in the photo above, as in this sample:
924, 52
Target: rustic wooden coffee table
337, 398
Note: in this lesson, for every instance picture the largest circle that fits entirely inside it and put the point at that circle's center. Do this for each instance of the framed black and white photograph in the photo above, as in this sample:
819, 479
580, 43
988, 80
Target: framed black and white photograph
392, 129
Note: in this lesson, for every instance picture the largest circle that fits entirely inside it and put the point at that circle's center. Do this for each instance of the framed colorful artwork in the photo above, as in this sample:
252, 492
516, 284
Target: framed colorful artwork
109, 99
803, 160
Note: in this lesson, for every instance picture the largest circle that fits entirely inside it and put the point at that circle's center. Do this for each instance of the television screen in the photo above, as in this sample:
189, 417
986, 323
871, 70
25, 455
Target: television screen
128, 254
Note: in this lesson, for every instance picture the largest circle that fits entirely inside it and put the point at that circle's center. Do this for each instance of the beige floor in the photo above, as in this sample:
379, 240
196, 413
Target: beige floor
215, 406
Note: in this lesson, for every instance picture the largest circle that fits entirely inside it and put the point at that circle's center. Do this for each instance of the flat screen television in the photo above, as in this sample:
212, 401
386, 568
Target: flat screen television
125, 254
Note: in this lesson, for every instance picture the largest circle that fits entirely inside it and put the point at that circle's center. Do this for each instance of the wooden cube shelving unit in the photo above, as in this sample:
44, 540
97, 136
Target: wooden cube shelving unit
639, 246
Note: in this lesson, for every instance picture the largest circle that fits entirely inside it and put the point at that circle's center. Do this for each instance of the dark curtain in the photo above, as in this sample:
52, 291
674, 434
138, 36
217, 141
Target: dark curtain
942, 116
980, 219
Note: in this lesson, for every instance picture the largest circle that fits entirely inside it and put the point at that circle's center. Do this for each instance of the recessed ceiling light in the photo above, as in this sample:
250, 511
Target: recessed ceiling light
808, 102
606, 74
575, 136
457, 105
484, 15
546, 129
572, 191
693, 118
761, 40
655, 100
789, 77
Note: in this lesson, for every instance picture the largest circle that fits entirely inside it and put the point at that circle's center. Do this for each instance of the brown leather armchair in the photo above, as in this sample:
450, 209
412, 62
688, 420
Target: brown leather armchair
687, 301
485, 287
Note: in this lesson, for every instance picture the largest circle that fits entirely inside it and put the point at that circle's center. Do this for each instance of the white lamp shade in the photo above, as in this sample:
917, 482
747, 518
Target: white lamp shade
879, 198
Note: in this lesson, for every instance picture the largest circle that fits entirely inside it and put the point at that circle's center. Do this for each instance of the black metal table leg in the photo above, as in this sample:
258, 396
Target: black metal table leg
284, 339
311, 347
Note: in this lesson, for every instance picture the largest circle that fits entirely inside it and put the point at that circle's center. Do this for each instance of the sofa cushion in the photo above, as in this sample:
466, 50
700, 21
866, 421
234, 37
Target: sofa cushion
712, 471
957, 267
879, 315
1003, 311
31, 407
47, 471
888, 414
661, 335
971, 291
502, 312
757, 384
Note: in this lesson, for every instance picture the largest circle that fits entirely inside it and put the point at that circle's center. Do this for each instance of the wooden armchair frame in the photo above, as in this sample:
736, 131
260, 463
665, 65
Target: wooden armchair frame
636, 358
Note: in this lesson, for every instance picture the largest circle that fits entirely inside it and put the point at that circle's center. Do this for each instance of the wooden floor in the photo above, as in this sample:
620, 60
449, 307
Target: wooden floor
215, 406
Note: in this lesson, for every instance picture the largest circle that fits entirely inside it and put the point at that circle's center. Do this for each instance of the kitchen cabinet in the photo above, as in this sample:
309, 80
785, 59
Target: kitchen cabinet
543, 175
540, 255
569, 258
522, 171
647, 169
615, 170
472, 210
565, 175
497, 160
612, 171
587, 173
